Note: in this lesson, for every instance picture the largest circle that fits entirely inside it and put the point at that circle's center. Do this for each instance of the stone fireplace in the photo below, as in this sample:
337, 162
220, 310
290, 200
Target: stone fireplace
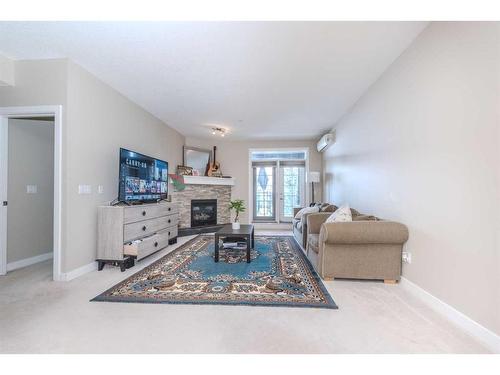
203, 212
202, 190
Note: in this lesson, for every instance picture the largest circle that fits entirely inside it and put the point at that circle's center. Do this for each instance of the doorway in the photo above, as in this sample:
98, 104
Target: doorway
30, 187
278, 184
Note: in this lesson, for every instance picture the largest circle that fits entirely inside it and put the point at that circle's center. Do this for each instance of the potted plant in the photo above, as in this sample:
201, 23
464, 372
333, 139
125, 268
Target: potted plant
238, 206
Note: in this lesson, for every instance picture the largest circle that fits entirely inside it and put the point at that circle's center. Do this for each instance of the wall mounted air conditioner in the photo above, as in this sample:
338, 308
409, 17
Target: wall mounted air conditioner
326, 141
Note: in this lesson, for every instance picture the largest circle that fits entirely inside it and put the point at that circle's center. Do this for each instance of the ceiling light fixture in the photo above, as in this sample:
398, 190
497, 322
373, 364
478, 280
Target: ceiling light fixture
220, 131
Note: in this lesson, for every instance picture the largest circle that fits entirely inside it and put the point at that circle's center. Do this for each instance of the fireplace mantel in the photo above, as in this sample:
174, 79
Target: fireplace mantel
204, 180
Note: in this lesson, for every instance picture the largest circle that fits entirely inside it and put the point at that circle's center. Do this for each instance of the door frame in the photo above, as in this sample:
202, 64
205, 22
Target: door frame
250, 177
32, 111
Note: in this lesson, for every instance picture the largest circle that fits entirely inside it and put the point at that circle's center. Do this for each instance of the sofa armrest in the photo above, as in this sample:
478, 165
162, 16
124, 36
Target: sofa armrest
295, 210
364, 232
315, 220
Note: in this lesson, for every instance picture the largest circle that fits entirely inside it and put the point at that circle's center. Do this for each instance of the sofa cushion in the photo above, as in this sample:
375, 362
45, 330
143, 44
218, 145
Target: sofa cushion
342, 214
299, 226
295, 222
365, 218
306, 210
313, 241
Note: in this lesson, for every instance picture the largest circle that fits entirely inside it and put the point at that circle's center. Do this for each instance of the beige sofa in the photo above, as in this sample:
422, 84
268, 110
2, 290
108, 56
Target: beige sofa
366, 248
300, 225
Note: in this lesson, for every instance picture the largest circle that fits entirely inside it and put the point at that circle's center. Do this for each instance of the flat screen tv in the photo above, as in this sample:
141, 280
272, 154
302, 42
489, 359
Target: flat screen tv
142, 178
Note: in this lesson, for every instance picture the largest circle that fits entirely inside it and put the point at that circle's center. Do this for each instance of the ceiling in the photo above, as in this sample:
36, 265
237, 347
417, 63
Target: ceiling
272, 80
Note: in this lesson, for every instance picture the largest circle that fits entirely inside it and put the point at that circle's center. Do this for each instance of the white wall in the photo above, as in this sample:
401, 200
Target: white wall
233, 157
422, 146
7, 75
31, 162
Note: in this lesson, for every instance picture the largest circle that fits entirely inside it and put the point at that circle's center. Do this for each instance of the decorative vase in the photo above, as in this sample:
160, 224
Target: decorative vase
236, 225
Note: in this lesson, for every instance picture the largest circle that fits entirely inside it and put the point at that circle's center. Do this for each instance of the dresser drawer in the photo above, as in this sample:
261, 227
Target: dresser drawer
147, 245
172, 232
146, 227
144, 212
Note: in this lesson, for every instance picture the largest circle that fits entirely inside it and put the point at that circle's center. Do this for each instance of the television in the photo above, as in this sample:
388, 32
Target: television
142, 178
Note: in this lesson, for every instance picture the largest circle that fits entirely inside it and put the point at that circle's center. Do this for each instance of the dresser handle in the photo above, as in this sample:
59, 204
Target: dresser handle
170, 209
169, 220
143, 213
144, 228
169, 233
156, 244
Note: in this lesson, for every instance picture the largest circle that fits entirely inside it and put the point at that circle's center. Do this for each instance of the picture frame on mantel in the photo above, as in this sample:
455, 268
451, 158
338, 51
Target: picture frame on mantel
196, 158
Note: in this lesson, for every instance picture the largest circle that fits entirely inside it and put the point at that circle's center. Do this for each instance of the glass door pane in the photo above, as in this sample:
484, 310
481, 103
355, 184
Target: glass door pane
292, 186
264, 182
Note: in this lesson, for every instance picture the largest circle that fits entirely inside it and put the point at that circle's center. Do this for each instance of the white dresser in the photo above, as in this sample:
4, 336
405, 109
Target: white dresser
134, 232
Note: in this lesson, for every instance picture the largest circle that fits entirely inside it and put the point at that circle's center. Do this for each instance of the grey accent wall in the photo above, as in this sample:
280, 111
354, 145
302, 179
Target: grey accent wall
97, 121
31, 162
422, 146
100, 121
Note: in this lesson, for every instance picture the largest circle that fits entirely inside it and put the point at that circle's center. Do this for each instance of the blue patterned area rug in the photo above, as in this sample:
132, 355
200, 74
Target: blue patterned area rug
279, 275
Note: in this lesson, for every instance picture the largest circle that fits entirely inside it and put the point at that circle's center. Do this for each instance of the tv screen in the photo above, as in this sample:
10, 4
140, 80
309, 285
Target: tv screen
142, 178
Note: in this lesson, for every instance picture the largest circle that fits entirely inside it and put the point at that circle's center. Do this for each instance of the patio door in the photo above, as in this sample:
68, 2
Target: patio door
291, 188
278, 187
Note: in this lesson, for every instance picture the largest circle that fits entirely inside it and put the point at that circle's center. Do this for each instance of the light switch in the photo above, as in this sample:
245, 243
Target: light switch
31, 189
100, 189
84, 189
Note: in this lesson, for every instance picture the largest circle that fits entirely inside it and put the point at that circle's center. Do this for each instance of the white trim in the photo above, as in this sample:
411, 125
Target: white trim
204, 180
473, 328
56, 111
79, 272
29, 261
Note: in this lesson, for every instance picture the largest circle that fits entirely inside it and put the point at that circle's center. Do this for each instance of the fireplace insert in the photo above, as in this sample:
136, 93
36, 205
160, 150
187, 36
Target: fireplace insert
203, 212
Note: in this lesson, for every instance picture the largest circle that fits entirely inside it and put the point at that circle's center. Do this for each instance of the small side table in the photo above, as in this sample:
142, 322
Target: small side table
245, 231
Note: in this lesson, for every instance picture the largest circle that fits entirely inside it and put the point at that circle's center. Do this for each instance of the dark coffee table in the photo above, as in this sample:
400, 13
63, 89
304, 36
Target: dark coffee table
245, 231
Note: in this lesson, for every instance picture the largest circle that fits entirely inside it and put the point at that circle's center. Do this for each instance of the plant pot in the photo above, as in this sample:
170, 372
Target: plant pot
236, 225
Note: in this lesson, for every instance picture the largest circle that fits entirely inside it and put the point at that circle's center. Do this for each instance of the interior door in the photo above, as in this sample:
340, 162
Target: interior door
291, 189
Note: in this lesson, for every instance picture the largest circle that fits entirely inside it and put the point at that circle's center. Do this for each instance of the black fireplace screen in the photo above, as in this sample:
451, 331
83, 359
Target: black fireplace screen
203, 212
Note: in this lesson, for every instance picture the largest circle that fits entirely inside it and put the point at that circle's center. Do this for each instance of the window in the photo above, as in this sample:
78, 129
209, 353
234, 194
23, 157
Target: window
278, 155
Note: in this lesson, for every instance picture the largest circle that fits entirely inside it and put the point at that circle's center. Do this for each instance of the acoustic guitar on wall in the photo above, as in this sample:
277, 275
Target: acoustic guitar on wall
213, 169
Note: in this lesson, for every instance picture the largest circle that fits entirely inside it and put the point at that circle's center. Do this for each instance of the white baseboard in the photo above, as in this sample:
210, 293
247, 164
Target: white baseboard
79, 272
473, 328
29, 261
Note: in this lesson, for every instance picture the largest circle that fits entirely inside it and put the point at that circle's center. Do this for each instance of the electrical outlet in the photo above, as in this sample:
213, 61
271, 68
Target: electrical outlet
406, 257
100, 189
31, 189
84, 189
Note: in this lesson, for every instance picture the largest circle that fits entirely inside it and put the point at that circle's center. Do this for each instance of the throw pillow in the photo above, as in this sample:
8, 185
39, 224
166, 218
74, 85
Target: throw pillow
329, 208
355, 212
306, 210
342, 214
